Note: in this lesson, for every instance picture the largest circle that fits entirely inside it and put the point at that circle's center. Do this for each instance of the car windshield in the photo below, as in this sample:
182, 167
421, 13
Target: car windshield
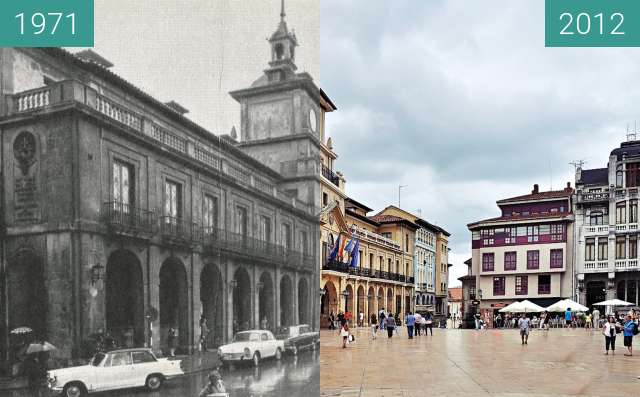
246, 336
97, 359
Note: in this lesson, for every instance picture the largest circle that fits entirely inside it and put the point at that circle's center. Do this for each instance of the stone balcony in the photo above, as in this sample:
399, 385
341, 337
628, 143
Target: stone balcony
376, 238
73, 92
367, 272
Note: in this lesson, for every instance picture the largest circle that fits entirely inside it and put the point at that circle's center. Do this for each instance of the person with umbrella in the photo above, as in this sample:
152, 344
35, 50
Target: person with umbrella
36, 366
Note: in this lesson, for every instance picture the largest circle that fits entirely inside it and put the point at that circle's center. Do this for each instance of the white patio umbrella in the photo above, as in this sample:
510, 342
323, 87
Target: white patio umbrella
613, 302
524, 306
564, 304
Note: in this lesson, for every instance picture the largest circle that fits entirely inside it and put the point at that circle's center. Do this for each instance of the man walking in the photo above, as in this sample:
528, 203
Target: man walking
410, 320
524, 324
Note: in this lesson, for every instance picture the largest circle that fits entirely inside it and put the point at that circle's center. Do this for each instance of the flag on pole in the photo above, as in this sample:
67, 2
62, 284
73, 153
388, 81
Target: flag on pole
334, 252
356, 254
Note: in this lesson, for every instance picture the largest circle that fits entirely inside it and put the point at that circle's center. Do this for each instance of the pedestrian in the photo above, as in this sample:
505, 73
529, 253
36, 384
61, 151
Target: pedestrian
596, 318
390, 325
524, 324
264, 323
609, 330
374, 325
215, 385
476, 318
35, 369
417, 327
567, 318
410, 320
428, 323
341, 319
344, 333
204, 333
543, 319
360, 319
172, 335
332, 320
382, 319
629, 330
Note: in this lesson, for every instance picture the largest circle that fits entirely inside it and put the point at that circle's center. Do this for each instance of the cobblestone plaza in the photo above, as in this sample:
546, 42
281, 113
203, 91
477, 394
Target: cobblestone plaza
476, 363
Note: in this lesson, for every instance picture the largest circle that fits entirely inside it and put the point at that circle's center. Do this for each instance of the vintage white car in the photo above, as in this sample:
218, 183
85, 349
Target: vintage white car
251, 346
117, 369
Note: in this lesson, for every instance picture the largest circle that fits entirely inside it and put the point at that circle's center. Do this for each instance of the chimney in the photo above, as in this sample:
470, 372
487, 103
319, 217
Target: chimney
535, 189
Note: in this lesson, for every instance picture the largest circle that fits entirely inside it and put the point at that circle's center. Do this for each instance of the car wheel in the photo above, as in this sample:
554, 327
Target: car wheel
256, 359
73, 390
154, 382
278, 354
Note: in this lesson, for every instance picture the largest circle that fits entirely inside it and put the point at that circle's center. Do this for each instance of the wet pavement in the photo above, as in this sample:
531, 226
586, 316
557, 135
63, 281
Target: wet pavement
291, 377
457, 363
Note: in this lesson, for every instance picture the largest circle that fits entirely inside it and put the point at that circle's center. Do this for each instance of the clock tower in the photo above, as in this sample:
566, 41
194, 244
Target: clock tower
281, 118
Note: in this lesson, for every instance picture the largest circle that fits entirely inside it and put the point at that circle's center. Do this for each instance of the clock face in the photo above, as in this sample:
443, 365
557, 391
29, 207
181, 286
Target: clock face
313, 120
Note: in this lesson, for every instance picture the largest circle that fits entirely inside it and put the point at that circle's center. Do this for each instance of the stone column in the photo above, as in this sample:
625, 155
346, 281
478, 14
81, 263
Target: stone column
296, 317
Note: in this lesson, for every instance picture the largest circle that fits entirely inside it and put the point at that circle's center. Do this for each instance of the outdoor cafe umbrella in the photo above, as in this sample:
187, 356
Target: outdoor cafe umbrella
611, 303
21, 331
524, 306
565, 304
40, 347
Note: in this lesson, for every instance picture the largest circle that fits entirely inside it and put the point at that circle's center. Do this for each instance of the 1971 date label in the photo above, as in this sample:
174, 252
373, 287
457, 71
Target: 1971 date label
46, 23
592, 23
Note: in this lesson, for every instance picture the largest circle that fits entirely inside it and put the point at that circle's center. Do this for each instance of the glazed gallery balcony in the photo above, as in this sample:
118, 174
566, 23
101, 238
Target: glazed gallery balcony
341, 267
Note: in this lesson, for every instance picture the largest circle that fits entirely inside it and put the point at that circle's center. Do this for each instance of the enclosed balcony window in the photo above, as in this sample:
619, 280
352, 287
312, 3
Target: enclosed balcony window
619, 176
621, 212
596, 218
210, 212
590, 249
603, 249
621, 247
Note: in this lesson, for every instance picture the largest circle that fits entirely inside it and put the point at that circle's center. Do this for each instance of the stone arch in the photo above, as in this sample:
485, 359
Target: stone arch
242, 307
286, 301
329, 302
390, 304
348, 304
266, 302
212, 299
360, 301
124, 298
174, 306
371, 302
303, 302
380, 298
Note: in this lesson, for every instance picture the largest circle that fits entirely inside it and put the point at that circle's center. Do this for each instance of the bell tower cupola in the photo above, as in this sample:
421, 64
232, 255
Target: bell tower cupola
283, 51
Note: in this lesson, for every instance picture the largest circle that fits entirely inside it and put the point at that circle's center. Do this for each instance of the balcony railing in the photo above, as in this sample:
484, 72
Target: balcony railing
366, 272
179, 231
125, 218
330, 175
593, 197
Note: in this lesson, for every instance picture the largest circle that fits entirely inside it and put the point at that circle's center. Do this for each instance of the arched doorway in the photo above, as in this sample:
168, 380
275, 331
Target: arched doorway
390, 300
380, 298
348, 305
242, 308
329, 302
26, 302
212, 298
286, 301
596, 292
174, 309
267, 307
303, 302
360, 302
124, 298
371, 296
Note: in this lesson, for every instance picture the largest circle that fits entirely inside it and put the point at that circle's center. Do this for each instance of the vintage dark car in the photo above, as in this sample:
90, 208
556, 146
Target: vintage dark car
299, 337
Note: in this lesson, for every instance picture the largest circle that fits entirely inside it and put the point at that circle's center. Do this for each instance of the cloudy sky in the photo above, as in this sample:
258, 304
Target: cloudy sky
457, 99
461, 101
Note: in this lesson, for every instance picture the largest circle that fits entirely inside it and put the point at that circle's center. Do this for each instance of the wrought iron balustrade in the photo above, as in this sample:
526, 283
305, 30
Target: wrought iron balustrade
330, 175
179, 230
127, 218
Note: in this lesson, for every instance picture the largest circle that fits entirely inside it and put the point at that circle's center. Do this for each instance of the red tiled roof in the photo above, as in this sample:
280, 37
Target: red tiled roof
518, 218
552, 194
455, 294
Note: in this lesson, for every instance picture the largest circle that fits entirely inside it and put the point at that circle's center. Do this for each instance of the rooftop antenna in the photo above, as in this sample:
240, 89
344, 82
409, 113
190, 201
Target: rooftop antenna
578, 164
400, 187
631, 136
419, 211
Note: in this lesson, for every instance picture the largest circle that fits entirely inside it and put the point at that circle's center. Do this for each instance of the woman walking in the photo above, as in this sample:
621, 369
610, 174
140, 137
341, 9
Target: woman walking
390, 325
374, 325
428, 323
609, 331
344, 333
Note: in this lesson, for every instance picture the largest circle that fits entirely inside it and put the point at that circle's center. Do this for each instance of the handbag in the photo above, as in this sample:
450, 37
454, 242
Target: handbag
352, 338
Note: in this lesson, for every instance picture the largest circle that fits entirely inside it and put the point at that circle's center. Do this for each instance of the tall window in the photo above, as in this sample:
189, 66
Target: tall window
371, 261
286, 236
621, 216
619, 175
533, 233
406, 242
265, 228
633, 174
498, 286
533, 259
633, 211
522, 285
242, 220
510, 261
596, 218
556, 260
123, 186
633, 247
210, 212
621, 247
172, 199
304, 241
487, 236
603, 249
544, 284
590, 249
487, 262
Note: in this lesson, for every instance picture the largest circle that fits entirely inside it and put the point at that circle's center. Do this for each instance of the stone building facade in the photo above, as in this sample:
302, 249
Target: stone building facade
120, 214
606, 211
